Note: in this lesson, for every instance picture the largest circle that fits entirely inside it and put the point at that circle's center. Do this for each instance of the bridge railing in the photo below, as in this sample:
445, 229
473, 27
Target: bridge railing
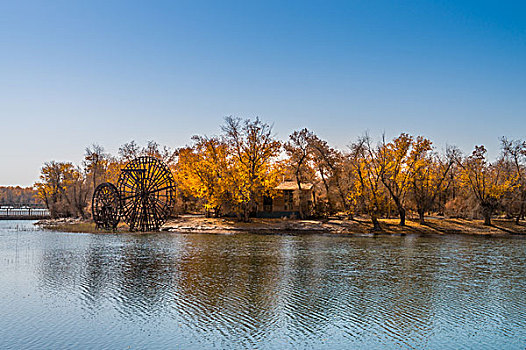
7, 212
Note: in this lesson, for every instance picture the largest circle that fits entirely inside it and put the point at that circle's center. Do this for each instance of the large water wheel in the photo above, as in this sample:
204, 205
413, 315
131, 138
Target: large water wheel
147, 193
105, 206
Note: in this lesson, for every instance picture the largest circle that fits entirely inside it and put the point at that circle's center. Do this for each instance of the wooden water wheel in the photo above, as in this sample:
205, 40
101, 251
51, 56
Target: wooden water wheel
105, 206
147, 193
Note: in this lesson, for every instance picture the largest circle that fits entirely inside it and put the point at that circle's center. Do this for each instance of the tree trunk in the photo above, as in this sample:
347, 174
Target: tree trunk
326, 185
401, 211
521, 214
487, 219
421, 216
376, 224
345, 203
302, 215
246, 215
486, 212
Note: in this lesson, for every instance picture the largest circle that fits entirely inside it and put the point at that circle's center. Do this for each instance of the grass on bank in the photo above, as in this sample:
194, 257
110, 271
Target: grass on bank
77, 226
193, 223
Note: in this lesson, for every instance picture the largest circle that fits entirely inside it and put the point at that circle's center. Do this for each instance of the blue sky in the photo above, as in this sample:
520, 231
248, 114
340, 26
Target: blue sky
74, 73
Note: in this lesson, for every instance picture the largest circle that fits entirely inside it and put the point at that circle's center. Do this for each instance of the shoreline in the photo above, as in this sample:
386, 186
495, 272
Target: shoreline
191, 224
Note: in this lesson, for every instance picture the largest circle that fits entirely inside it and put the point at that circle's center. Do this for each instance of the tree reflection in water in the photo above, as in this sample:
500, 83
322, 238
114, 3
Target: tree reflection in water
249, 289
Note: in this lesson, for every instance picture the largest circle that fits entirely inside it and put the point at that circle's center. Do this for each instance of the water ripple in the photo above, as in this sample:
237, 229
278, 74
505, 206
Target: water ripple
248, 291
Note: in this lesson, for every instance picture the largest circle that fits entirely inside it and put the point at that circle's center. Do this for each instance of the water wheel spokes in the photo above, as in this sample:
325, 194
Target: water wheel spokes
147, 191
105, 206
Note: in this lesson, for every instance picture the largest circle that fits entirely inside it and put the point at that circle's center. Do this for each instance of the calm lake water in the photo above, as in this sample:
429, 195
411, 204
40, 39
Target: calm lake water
160, 291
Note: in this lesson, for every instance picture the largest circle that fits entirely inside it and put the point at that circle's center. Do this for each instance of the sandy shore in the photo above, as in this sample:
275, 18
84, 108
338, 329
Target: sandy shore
200, 224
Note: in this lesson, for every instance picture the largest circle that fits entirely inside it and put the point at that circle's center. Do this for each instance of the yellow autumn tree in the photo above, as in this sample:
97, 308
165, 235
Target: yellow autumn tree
367, 189
95, 165
428, 174
395, 170
299, 160
484, 180
333, 170
514, 153
62, 187
252, 171
200, 172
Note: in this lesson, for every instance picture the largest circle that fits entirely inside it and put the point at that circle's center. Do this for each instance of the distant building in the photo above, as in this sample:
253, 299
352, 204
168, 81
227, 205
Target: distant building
288, 200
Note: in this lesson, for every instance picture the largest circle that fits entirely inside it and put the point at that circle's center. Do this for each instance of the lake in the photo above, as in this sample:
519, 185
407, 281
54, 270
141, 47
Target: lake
196, 291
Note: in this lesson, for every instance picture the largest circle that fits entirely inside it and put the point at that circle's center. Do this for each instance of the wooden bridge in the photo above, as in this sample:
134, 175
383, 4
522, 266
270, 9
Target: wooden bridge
23, 213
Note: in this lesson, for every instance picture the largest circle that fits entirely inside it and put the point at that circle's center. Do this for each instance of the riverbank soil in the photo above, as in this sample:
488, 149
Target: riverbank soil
200, 224
339, 226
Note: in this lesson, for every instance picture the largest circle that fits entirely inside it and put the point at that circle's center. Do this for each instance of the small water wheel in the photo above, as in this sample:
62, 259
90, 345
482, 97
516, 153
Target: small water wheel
105, 206
147, 191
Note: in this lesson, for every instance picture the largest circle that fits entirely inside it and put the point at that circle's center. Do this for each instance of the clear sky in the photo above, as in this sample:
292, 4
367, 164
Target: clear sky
73, 73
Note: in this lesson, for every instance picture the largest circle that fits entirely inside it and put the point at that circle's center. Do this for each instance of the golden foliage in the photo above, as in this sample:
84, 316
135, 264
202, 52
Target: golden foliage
232, 172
